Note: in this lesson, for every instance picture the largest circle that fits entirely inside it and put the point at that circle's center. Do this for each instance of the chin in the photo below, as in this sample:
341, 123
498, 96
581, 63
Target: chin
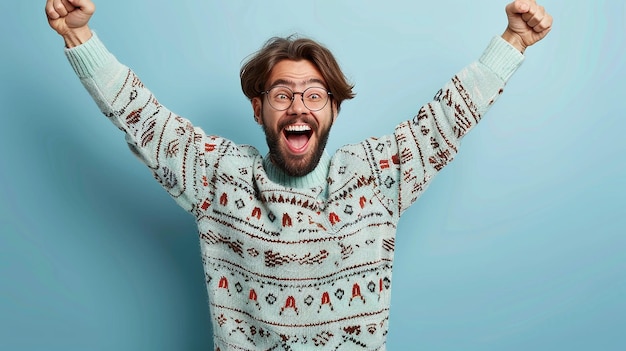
297, 166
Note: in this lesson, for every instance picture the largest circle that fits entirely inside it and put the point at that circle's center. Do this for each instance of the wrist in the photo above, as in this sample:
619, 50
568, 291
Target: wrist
514, 39
77, 36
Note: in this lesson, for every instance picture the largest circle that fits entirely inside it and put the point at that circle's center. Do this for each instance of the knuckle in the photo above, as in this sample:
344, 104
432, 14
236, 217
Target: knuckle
51, 12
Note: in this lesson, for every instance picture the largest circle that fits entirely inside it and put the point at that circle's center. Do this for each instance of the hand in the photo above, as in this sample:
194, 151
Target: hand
528, 23
70, 19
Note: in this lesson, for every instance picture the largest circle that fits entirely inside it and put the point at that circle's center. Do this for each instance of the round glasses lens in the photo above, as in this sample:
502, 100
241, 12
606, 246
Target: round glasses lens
280, 97
315, 98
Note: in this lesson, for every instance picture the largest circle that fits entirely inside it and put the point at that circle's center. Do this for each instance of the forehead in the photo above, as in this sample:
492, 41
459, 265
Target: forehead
295, 74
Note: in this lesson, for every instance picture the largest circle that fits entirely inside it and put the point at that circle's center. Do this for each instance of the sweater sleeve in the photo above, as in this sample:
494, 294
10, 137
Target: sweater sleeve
169, 145
405, 162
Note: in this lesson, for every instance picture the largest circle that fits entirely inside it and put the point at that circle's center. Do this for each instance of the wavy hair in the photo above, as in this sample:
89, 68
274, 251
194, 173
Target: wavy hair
257, 68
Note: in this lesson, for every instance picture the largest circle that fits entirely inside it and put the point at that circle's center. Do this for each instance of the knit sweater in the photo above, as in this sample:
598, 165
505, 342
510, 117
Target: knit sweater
295, 263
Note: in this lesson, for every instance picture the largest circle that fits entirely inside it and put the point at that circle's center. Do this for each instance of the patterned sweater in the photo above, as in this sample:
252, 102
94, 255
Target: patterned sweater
295, 263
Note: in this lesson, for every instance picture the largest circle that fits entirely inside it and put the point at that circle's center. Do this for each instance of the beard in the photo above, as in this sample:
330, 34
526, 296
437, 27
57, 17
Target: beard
295, 166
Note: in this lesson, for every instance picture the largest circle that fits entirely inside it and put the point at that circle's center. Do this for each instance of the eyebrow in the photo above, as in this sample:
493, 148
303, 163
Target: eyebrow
291, 83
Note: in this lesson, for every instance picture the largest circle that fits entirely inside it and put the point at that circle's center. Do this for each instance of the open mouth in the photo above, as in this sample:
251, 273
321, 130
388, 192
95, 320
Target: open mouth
297, 136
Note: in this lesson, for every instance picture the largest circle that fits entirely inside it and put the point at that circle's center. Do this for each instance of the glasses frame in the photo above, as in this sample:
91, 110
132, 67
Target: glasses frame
293, 97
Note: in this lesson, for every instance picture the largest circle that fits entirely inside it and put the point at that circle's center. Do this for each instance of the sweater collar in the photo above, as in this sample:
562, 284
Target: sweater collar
316, 178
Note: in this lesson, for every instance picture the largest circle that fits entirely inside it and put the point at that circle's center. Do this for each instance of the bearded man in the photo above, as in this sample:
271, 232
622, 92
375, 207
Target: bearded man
297, 245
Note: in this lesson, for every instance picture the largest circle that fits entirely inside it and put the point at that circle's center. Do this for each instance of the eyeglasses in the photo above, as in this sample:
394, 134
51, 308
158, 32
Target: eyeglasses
281, 97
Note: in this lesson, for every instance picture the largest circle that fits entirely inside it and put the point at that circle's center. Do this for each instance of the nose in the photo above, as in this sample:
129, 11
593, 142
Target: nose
297, 104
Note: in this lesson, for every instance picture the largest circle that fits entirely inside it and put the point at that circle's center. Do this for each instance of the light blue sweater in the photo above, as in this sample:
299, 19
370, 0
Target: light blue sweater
296, 263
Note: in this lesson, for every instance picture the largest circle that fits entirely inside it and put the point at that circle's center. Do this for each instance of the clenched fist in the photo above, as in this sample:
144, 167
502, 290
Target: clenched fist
528, 23
70, 19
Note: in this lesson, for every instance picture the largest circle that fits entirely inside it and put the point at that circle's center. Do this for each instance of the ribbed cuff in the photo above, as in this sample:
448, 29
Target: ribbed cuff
502, 58
88, 57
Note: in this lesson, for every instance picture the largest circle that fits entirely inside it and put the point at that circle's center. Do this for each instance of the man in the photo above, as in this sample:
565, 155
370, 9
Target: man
297, 246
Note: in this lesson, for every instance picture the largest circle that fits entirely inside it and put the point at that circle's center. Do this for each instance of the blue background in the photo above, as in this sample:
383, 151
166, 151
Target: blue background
517, 245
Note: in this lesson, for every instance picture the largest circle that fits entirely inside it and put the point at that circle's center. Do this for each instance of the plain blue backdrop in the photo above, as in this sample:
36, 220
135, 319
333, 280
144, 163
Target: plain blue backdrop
518, 245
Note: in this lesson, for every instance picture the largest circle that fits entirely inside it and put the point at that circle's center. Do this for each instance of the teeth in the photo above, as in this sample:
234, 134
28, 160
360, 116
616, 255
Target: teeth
298, 128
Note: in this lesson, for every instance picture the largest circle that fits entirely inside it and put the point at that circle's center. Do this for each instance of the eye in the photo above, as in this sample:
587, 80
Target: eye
280, 94
315, 94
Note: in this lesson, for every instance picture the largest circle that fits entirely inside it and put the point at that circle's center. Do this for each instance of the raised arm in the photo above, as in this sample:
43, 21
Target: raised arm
171, 147
70, 18
406, 162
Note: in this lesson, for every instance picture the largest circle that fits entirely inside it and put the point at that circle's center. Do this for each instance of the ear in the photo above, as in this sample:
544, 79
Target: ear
257, 107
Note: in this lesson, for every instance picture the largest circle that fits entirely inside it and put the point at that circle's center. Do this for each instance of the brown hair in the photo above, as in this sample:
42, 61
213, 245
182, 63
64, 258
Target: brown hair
256, 69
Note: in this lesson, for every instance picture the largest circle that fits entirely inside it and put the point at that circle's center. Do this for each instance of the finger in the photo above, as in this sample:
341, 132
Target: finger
68, 6
86, 6
534, 16
50, 10
518, 7
60, 8
544, 25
